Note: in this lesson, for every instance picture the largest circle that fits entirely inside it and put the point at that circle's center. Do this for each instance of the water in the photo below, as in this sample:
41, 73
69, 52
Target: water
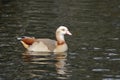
93, 48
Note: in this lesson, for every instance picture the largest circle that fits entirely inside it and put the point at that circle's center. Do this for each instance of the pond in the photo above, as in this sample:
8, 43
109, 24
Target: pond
94, 50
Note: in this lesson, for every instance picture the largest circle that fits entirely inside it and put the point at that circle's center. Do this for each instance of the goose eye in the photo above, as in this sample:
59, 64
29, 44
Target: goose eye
63, 29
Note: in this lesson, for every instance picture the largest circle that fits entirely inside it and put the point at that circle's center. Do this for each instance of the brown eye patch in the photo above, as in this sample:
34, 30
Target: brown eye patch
63, 29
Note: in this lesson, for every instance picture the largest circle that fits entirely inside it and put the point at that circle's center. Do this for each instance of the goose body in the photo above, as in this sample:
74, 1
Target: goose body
45, 44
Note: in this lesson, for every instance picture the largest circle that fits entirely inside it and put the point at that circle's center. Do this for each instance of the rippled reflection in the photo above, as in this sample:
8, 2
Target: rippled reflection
43, 64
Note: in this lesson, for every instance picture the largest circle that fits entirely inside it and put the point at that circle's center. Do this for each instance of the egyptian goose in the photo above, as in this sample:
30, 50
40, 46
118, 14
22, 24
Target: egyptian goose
47, 45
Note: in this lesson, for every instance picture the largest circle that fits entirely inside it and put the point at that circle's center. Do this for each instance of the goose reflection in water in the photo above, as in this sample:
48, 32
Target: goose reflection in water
43, 64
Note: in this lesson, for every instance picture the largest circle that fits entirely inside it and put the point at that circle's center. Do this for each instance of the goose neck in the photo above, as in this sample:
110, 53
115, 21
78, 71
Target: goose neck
60, 38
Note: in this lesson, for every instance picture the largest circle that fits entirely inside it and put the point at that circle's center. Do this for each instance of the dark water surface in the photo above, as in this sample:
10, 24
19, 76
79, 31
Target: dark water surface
94, 47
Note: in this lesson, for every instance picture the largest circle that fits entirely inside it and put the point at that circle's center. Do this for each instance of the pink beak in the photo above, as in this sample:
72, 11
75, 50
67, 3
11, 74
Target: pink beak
68, 33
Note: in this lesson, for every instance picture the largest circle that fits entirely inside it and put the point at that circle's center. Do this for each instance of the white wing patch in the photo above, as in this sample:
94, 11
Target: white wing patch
39, 46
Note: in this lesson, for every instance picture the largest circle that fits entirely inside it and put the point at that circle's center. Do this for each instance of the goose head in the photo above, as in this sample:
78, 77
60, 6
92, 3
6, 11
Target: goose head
60, 32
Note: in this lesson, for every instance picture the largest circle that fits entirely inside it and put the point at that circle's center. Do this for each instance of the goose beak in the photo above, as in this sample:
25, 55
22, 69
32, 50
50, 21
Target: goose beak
68, 33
